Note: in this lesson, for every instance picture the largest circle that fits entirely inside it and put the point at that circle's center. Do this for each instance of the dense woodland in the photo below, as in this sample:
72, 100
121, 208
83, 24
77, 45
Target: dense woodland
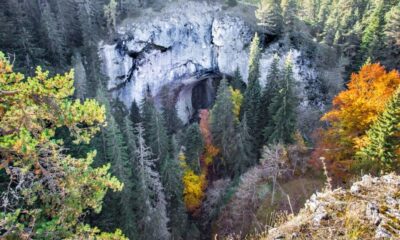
76, 163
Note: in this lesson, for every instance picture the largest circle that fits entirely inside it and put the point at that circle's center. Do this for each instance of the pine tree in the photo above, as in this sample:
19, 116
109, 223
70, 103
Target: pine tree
55, 38
194, 146
172, 180
252, 96
237, 82
153, 220
134, 114
115, 151
243, 156
372, 35
223, 124
289, 13
270, 90
172, 122
282, 109
269, 15
392, 37
383, 139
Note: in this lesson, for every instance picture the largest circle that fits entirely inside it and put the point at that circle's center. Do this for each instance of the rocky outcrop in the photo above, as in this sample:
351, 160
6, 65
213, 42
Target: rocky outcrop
369, 210
176, 47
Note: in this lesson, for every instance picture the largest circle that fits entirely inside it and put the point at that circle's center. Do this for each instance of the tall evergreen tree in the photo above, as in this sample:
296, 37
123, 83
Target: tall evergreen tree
372, 35
52, 29
382, 150
237, 81
194, 146
289, 13
392, 38
223, 124
114, 150
171, 177
282, 109
244, 155
153, 220
134, 114
269, 15
252, 96
270, 90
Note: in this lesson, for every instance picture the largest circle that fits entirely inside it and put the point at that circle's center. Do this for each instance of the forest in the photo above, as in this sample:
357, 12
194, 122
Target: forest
199, 119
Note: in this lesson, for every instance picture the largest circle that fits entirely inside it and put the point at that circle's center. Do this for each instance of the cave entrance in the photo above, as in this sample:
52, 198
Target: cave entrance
204, 93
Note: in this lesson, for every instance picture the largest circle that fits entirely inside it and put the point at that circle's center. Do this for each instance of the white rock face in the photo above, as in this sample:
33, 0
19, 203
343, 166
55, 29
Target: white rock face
175, 46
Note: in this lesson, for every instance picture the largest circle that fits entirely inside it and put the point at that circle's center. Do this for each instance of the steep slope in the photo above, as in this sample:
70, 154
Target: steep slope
369, 210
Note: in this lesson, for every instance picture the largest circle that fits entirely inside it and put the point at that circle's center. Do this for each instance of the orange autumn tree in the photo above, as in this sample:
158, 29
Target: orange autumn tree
196, 184
353, 112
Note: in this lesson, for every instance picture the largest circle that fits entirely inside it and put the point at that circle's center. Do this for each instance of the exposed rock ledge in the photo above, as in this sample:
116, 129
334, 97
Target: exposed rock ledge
369, 210
175, 46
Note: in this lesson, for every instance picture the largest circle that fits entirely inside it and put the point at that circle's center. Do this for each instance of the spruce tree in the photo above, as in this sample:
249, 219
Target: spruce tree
382, 150
134, 114
171, 177
114, 150
244, 155
289, 13
223, 124
270, 90
194, 145
392, 38
372, 35
237, 81
152, 221
252, 96
269, 15
282, 126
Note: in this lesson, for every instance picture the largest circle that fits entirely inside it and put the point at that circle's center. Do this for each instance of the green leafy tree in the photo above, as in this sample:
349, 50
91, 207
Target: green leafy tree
282, 110
42, 176
381, 151
269, 15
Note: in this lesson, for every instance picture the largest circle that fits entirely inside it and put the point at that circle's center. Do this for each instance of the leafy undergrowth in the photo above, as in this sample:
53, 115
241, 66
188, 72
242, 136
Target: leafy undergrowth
369, 210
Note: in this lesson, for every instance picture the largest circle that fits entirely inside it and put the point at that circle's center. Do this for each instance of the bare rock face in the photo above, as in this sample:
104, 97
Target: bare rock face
186, 42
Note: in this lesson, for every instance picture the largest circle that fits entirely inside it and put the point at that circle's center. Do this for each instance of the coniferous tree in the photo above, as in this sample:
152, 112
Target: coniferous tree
153, 220
281, 128
383, 139
372, 35
269, 15
171, 176
55, 38
392, 38
243, 156
194, 146
223, 124
252, 96
172, 122
289, 13
237, 82
134, 114
270, 90
115, 151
